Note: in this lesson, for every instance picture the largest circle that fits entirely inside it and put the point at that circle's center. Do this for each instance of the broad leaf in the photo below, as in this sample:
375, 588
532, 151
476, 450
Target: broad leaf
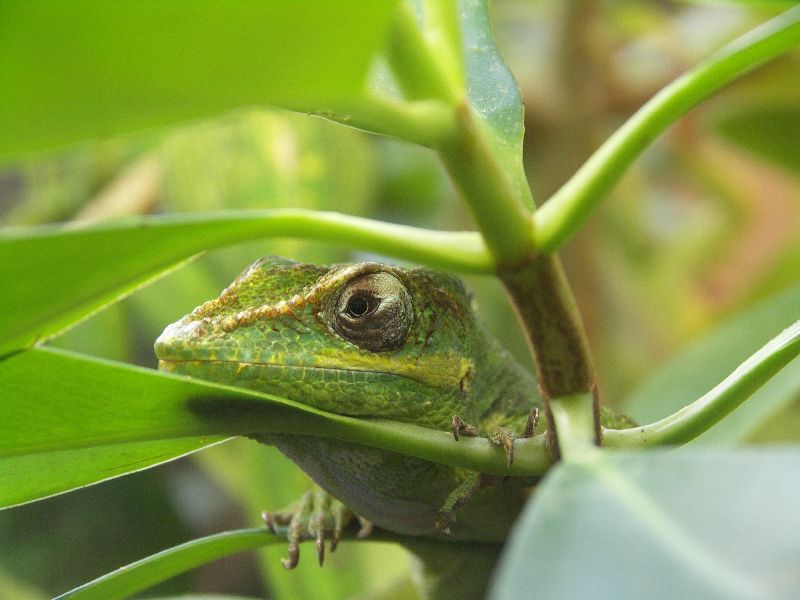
661, 524
79, 70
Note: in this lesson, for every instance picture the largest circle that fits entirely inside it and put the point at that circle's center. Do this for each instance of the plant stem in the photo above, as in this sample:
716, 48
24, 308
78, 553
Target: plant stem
488, 172
144, 573
568, 208
700, 415
504, 220
537, 286
463, 251
574, 420
423, 122
416, 68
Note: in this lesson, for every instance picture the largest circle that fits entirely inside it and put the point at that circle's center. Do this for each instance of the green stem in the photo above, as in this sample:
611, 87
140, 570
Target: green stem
417, 69
574, 419
492, 181
422, 122
462, 251
494, 199
566, 211
699, 416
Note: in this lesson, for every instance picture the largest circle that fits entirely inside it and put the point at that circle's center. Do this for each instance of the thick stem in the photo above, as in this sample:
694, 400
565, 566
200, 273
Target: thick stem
545, 305
503, 218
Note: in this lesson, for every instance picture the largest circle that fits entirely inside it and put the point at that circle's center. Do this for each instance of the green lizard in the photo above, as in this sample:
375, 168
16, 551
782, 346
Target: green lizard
368, 340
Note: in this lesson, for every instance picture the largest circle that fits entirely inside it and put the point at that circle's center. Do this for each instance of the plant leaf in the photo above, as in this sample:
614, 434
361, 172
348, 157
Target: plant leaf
705, 362
56, 401
144, 64
37, 476
144, 573
769, 132
660, 524
61, 275
492, 89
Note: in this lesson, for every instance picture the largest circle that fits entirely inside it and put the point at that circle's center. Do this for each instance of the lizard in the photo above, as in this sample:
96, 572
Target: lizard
368, 340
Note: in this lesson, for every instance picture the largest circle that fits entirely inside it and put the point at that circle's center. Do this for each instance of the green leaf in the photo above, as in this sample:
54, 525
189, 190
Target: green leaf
156, 568
56, 401
61, 275
704, 363
491, 87
660, 524
144, 64
768, 132
39, 475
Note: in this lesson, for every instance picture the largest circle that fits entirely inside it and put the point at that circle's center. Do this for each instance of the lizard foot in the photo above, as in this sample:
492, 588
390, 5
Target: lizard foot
503, 436
317, 516
461, 427
458, 498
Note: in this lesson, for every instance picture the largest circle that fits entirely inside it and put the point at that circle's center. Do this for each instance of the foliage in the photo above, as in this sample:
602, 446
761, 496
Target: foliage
82, 297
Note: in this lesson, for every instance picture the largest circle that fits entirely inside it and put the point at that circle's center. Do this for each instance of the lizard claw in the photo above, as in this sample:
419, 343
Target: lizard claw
503, 436
459, 426
366, 528
530, 425
320, 544
316, 516
294, 557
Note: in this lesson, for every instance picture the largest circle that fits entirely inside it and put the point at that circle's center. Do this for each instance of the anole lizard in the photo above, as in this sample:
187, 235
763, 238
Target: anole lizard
368, 340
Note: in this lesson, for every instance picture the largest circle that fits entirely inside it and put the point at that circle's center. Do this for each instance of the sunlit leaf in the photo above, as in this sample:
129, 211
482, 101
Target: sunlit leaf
56, 401
36, 476
142, 64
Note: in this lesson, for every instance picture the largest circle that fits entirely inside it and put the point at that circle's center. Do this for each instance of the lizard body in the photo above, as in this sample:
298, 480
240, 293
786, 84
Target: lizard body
366, 340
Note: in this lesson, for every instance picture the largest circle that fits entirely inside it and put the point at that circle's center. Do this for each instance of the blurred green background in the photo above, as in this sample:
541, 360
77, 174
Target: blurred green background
703, 227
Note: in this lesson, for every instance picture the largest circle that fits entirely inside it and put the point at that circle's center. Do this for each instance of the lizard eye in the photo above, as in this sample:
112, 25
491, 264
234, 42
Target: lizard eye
359, 306
374, 311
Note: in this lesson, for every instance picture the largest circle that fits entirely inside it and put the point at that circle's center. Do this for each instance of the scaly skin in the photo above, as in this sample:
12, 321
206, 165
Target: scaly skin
366, 340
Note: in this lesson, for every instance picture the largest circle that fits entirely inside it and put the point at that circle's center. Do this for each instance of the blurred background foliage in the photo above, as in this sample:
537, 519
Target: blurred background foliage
705, 225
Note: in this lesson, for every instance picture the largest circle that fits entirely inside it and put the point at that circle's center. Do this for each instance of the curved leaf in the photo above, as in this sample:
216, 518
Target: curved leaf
144, 573
660, 524
60, 275
56, 401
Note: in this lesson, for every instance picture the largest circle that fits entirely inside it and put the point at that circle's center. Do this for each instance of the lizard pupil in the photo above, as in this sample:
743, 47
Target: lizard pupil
358, 306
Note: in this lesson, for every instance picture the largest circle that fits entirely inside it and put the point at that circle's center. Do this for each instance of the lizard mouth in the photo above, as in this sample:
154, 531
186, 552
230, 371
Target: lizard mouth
182, 365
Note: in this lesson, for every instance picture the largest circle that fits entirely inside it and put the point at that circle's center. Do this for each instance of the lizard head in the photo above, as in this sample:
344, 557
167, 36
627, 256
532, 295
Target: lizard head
361, 339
